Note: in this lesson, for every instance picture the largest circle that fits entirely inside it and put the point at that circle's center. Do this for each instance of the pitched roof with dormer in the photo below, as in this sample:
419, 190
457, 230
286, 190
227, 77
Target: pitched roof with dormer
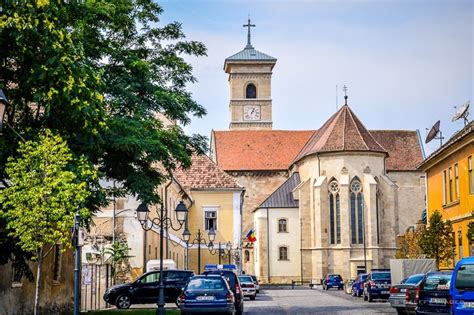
342, 132
204, 174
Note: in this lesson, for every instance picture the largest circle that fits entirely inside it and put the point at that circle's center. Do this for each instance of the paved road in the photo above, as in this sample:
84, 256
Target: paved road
317, 301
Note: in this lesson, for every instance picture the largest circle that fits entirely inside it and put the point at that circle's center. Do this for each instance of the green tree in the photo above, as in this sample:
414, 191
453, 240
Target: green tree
42, 197
437, 240
97, 72
118, 254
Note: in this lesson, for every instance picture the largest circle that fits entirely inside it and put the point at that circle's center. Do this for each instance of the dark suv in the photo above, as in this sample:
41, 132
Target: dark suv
234, 284
145, 288
377, 285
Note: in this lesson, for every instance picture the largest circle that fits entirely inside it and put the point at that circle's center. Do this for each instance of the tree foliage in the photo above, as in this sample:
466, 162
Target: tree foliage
437, 240
96, 73
409, 244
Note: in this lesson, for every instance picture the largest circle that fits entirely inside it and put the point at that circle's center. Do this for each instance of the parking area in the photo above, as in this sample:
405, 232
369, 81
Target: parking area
302, 300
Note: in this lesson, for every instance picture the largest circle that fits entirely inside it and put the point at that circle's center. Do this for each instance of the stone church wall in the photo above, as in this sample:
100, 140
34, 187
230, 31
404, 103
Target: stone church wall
258, 186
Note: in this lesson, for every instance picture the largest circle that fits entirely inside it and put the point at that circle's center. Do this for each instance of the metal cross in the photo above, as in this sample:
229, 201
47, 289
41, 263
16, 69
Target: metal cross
344, 88
249, 45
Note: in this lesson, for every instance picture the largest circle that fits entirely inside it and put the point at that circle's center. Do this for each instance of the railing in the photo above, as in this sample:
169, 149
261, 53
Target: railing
310, 282
95, 280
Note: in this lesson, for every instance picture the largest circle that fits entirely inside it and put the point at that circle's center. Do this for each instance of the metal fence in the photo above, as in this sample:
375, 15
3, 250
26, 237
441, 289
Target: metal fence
94, 281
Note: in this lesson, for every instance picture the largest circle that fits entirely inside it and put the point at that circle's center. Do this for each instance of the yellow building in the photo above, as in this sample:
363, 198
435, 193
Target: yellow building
450, 185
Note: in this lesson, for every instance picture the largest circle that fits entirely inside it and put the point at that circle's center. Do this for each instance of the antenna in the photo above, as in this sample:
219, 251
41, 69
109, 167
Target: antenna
336, 99
433, 133
462, 112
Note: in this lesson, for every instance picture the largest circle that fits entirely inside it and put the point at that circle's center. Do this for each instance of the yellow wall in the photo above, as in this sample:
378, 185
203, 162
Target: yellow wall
461, 210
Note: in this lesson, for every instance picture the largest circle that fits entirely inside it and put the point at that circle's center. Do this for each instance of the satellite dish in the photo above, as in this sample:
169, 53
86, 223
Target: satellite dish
462, 112
433, 132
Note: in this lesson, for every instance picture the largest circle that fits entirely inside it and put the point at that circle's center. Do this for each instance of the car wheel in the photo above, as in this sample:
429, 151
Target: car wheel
258, 291
369, 297
353, 293
400, 311
123, 301
365, 296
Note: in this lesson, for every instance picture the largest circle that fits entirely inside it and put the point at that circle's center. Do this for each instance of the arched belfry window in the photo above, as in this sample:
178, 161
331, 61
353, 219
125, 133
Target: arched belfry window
334, 213
251, 91
357, 212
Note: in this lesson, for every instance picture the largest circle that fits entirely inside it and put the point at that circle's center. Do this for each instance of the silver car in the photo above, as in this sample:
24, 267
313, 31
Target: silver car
248, 287
397, 297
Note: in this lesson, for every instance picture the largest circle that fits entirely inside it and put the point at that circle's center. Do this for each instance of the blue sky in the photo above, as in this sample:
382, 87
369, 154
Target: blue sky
406, 63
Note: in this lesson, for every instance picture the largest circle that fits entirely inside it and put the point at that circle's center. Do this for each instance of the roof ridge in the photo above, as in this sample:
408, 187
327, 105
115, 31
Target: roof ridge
357, 128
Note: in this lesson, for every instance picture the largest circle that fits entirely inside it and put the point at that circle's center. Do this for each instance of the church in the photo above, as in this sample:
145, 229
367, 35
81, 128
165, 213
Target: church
327, 200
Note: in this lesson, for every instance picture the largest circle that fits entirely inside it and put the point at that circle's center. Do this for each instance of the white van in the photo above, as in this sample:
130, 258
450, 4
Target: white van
154, 264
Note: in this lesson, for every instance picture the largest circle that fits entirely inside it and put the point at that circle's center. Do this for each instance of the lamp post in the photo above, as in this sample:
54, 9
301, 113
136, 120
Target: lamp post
161, 221
3, 106
199, 240
222, 251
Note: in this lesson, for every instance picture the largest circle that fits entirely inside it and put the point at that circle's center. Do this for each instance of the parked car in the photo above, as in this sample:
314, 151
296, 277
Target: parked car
234, 284
432, 295
145, 288
256, 282
333, 281
358, 285
348, 286
248, 287
397, 297
377, 285
462, 287
206, 294
410, 299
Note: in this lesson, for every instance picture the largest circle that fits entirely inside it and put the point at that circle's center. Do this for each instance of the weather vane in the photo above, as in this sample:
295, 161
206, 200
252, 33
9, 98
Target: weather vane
248, 25
344, 88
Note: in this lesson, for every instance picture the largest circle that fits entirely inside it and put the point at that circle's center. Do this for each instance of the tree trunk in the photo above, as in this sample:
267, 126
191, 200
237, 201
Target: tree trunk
38, 280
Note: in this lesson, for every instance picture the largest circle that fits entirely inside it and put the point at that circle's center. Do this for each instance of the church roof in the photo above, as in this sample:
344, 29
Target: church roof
283, 196
342, 132
403, 146
264, 150
204, 174
249, 53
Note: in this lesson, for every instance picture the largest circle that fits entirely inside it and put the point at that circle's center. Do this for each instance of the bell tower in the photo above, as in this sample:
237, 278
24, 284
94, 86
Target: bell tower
250, 78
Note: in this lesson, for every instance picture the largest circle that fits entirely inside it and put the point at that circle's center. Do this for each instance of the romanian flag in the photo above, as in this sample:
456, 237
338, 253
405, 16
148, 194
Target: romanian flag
251, 236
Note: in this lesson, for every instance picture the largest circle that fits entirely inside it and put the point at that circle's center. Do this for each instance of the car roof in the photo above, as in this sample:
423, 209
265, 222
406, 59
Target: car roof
207, 276
444, 272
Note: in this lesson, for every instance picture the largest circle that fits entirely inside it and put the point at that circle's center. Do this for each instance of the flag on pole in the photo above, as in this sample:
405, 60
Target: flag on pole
251, 236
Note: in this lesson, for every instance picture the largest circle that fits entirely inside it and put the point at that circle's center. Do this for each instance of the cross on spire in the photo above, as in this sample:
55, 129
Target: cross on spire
344, 88
248, 25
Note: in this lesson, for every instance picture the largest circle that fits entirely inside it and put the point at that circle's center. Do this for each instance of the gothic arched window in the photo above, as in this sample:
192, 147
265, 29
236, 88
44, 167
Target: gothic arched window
357, 209
251, 91
334, 213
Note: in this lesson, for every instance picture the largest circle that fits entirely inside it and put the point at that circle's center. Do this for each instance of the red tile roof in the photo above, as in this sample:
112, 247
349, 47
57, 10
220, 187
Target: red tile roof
342, 132
403, 146
204, 174
240, 150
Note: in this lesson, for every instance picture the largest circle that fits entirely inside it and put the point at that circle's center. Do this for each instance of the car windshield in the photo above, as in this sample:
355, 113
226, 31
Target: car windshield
245, 279
465, 277
437, 282
205, 284
229, 276
381, 276
334, 277
414, 279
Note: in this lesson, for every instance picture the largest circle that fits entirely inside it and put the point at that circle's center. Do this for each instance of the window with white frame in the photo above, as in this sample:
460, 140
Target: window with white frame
210, 218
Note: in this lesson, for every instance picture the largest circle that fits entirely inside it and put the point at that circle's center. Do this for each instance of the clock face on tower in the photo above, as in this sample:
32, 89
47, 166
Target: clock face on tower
252, 112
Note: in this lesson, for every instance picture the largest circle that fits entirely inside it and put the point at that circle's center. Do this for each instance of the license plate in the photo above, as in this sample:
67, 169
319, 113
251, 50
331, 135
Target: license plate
437, 301
403, 290
398, 302
205, 298
385, 292
468, 305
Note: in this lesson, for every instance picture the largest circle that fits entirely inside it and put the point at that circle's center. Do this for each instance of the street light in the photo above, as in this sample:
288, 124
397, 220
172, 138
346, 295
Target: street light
3, 106
199, 240
162, 221
222, 251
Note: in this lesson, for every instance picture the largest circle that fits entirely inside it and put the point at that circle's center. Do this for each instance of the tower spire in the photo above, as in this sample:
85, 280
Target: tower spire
248, 25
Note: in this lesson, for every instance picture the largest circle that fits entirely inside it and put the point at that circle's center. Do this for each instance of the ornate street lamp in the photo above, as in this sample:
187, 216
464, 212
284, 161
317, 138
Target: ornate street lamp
3, 106
222, 251
162, 221
199, 240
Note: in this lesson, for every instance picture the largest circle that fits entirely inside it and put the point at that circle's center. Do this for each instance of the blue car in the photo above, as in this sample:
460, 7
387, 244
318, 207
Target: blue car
377, 285
206, 294
358, 285
333, 281
462, 287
